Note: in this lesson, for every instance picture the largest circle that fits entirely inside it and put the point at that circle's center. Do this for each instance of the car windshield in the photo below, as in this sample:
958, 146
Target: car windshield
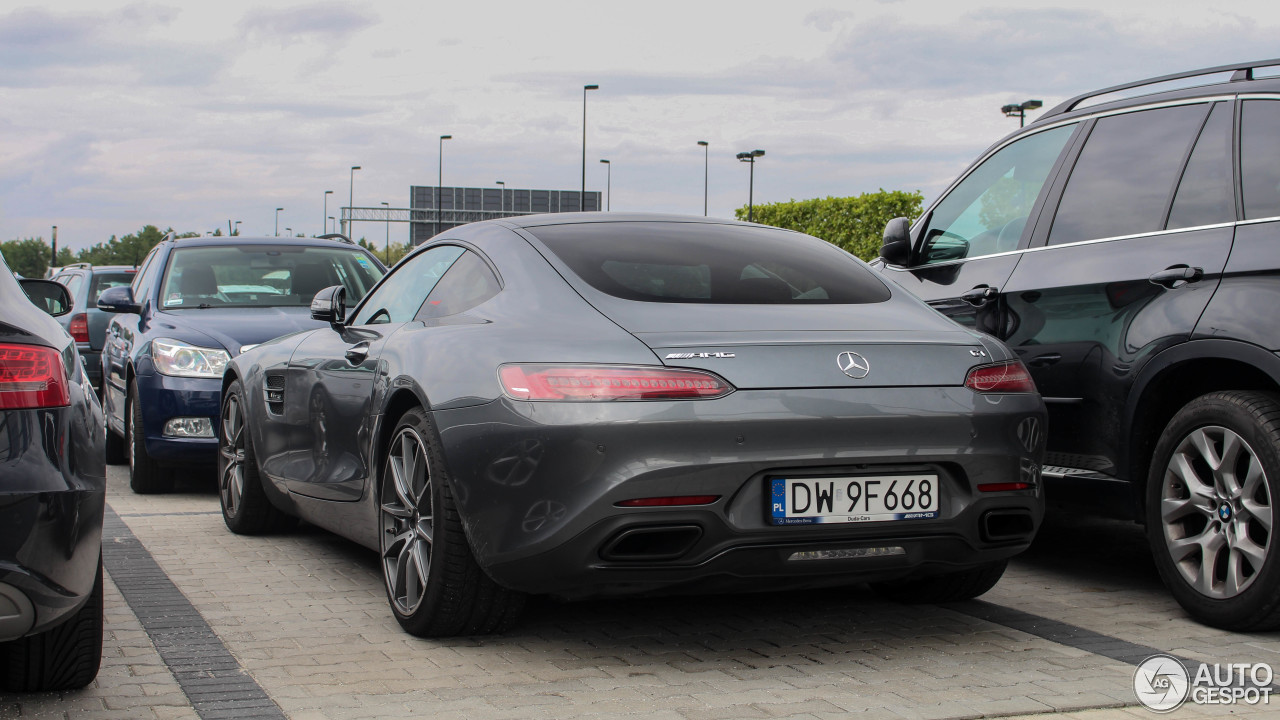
709, 263
263, 275
103, 281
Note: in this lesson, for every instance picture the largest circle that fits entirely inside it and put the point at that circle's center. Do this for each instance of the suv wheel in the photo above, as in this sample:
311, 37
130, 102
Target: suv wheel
64, 657
145, 474
1211, 509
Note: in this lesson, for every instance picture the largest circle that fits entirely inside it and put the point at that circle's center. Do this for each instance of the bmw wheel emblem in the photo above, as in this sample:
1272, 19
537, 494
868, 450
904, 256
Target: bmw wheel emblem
1224, 512
853, 365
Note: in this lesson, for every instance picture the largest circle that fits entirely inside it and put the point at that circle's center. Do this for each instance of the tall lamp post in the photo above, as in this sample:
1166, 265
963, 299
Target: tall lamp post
706, 170
324, 219
278, 221
333, 223
54, 261
608, 184
351, 193
1020, 110
386, 254
236, 230
750, 157
582, 199
288, 232
440, 181
502, 197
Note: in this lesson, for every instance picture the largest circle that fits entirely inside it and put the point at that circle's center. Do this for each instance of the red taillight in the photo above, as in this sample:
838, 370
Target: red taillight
1003, 487
1004, 377
79, 328
32, 376
608, 382
669, 501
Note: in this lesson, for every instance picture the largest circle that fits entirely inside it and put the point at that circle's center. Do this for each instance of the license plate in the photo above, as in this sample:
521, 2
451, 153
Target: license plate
864, 498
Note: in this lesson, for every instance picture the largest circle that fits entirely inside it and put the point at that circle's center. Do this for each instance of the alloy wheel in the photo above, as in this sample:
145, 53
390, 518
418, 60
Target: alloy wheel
231, 447
408, 523
1217, 512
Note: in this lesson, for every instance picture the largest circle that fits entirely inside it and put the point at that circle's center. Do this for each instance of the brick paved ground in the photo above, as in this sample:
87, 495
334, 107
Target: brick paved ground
305, 617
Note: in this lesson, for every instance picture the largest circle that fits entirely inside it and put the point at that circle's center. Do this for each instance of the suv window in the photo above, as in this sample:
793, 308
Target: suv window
988, 210
706, 263
73, 283
1260, 158
468, 283
1125, 173
1205, 195
399, 298
142, 281
107, 280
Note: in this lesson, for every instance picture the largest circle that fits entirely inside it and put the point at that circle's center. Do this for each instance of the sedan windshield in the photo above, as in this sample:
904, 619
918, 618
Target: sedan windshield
263, 275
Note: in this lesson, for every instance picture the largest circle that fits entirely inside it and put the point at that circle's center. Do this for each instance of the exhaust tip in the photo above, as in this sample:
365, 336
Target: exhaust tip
655, 542
1006, 525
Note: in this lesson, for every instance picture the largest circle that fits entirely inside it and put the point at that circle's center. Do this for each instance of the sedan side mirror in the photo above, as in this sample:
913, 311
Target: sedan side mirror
49, 296
896, 249
118, 300
330, 305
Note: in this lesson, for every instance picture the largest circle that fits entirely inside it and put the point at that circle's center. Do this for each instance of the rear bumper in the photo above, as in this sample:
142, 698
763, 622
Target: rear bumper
537, 485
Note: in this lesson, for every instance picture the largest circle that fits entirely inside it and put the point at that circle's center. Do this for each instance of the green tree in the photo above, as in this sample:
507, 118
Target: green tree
29, 257
855, 224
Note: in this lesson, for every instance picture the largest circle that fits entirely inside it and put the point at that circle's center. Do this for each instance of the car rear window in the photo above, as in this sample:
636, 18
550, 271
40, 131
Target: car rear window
705, 263
106, 280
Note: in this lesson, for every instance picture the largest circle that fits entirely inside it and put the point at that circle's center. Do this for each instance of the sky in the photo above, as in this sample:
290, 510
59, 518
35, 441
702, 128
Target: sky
115, 115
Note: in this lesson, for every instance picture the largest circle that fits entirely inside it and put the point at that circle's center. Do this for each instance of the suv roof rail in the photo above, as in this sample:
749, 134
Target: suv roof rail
171, 235
1242, 71
75, 265
336, 236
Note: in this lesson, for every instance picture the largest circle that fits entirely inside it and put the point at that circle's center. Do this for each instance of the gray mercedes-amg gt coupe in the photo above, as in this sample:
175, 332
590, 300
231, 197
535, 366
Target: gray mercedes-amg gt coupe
595, 404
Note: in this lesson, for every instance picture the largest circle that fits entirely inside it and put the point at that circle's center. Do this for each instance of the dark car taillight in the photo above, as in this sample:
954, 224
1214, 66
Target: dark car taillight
1003, 377
32, 376
609, 382
79, 328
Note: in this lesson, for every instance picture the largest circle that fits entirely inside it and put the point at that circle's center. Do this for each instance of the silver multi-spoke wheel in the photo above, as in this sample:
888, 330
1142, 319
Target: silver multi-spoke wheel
1216, 511
408, 520
231, 447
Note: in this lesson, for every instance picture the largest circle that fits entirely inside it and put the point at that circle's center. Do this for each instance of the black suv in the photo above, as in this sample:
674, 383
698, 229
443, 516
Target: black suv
1127, 246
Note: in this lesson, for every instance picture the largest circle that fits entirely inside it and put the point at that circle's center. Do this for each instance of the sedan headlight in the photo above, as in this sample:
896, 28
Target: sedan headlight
181, 360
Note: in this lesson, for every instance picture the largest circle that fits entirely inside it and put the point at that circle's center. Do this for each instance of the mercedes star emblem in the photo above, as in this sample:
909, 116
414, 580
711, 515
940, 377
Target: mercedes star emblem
853, 365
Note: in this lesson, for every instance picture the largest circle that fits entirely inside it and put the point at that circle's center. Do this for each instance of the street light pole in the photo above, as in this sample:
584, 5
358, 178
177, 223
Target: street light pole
750, 157
324, 222
236, 229
351, 194
1020, 110
278, 221
608, 185
54, 261
582, 198
440, 181
288, 232
386, 254
502, 198
706, 171
335, 222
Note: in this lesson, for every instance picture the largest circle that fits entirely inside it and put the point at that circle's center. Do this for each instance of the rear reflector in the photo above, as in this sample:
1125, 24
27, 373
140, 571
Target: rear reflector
79, 328
1004, 377
669, 501
609, 382
32, 376
1003, 487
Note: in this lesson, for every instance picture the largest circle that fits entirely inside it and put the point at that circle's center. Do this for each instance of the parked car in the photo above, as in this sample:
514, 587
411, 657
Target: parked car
194, 304
54, 491
583, 405
86, 323
1127, 246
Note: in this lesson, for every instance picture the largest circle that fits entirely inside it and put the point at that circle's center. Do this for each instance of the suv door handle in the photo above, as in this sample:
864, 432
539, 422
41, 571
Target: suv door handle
1044, 360
1176, 276
357, 353
979, 295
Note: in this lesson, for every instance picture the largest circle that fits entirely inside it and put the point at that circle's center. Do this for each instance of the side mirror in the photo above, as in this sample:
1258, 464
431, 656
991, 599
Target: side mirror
47, 295
118, 300
330, 305
896, 249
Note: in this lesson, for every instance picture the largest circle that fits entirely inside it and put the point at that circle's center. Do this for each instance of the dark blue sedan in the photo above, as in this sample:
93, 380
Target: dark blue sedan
194, 304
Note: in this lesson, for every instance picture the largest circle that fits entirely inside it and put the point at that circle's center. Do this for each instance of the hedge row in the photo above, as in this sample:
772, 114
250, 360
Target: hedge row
853, 223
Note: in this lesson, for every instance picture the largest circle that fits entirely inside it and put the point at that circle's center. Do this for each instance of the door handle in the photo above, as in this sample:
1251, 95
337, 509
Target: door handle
979, 295
1044, 360
1176, 276
357, 353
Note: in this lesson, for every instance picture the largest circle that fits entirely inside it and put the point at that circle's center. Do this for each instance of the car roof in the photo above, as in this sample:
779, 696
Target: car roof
233, 240
529, 221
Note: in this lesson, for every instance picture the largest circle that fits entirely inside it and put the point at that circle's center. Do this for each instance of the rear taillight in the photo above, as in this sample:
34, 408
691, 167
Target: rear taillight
609, 382
1004, 377
32, 376
79, 328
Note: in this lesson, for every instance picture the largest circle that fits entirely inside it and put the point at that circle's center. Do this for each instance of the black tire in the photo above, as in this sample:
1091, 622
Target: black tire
457, 597
1214, 548
146, 477
951, 587
245, 507
65, 657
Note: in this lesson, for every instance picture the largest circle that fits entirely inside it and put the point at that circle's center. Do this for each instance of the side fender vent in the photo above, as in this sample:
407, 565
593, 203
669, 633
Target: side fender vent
273, 391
